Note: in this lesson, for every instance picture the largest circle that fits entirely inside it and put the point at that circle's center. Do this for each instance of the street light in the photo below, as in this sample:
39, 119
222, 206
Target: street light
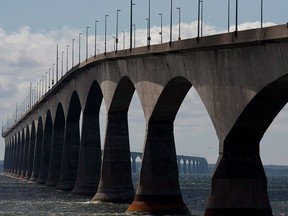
198, 33
79, 46
49, 78
57, 58
236, 19
149, 23
67, 54
105, 34
134, 25
95, 37
179, 10
117, 23
62, 63
86, 42
171, 18
73, 40
114, 39
161, 24
131, 22
147, 31
53, 74
123, 39
261, 13
228, 16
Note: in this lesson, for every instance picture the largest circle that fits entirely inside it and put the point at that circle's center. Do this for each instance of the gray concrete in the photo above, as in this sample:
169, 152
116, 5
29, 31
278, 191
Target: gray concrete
241, 80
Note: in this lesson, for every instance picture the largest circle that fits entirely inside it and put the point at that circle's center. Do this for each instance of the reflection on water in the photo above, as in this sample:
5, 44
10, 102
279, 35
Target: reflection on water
22, 198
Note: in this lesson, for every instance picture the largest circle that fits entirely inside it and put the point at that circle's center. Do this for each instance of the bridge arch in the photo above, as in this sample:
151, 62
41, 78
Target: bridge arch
38, 150
25, 151
56, 147
46, 149
118, 188
31, 150
89, 164
71, 146
241, 153
159, 176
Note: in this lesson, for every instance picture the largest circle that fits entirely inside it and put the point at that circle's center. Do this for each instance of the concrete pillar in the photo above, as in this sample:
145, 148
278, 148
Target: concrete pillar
56, 154
46, 152
20, 155
37, 153
89, 165
184, 166
239, 186
194, 167
158, 191
6, 159
25, 153
116, 183
30, 154
70, 156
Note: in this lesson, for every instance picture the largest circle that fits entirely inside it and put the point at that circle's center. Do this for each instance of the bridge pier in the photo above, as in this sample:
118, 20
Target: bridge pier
158, 191
116, 183
89, 165
56, 152
30, 154
239, 187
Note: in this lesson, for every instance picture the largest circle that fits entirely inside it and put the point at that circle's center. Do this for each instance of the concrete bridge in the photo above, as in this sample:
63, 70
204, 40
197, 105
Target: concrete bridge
242, 80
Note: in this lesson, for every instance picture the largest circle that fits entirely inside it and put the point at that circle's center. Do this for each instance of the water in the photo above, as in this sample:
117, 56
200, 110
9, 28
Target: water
22, 198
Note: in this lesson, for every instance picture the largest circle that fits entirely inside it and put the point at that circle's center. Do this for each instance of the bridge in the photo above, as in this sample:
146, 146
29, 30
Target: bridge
242, 80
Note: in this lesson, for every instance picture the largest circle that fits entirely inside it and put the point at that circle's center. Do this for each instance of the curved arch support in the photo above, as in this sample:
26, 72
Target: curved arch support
158, 190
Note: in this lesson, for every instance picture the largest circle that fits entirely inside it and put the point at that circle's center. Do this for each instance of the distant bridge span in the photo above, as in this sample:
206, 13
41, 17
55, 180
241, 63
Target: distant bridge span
242, 80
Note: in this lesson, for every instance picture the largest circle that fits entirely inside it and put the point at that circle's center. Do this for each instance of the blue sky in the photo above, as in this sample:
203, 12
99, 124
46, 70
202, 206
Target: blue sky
30, 30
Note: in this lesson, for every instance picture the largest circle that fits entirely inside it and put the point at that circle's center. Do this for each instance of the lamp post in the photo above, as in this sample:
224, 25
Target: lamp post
57, 58
79, 46
198, 32
123, 39
236, 18
131, 22
147, 31
202, 6
161, 24
149, 23
134, 35
171, 18
114, 40
62, 64
53, 74
179, 10
117, 24
105, 34
228, 26
86, 42
95, 37
261, 13
67, 55
49, 75
73, 40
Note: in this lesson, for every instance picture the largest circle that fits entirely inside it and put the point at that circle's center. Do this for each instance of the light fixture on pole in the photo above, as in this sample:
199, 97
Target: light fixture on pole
123, 39
179, 13
149, 24
228, 25
236, 19
147, 31
95, 37
62, 63
134, 25
261, 13
87, 28
117, 24
79, 47
105, 34
67, 54
73, 40
171, 18
161, 26
131, 22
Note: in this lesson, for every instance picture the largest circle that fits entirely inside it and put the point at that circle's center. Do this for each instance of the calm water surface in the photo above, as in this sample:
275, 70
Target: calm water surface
21, 198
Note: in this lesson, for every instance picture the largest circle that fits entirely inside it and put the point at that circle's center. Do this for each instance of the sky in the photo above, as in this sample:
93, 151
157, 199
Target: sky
31, 29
